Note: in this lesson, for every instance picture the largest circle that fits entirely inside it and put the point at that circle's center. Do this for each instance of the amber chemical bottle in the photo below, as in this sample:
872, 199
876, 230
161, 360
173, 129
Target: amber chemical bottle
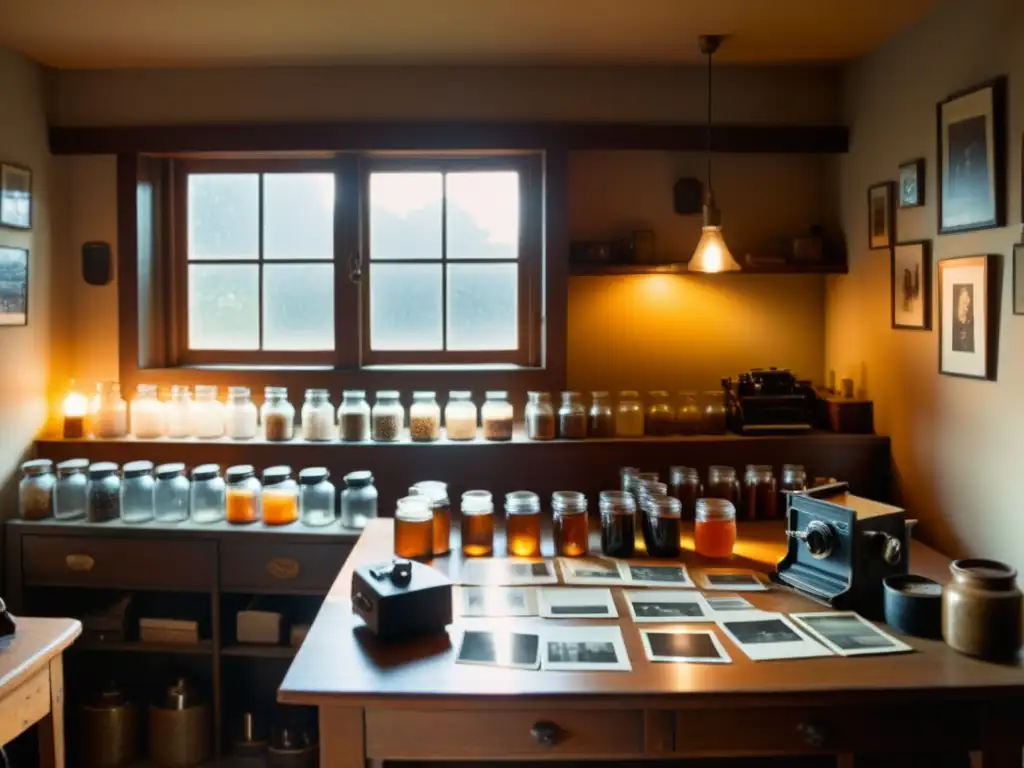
477, 524
572, 533
414, 528
522, 524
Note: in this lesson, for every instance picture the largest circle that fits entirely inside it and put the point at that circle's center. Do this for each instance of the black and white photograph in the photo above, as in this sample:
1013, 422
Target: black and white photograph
500, 649
688, 646
911, 184
497, 601
911, 286
583, 649
590, 570
733, 580
1018, 279
880, 215
972, 159
729, 603
768, 636
674, 576
13, 286
15, 196
497, 572
652, 605
848, 634
576, 604
965, 317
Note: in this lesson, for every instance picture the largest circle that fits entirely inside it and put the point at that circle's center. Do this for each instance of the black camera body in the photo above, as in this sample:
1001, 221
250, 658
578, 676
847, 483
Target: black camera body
401, 599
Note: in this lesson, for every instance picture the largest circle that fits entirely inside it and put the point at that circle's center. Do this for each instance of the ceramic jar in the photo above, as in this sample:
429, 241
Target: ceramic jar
981, 609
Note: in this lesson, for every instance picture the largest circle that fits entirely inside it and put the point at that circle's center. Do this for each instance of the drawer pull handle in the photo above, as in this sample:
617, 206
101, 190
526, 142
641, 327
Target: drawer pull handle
82, 563
545, 733
813, 734
283, 568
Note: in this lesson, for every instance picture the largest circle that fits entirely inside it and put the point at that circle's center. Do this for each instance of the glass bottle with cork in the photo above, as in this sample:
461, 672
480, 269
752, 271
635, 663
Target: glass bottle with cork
569, 520
477, 524
522, 523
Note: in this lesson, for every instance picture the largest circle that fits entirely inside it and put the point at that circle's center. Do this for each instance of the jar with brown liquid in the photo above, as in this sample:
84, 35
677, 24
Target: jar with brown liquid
688, 415
685, 485
714, 413
440, 506
618, 523
572, 417
663, 526
660, 418
569, 518
414, 528
760, 496
722, 484
601, 417
522, 523
794, 479
477, 524
539, 416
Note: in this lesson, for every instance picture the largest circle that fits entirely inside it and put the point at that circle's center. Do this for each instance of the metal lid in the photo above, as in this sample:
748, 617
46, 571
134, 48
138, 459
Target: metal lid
715, 509
722, 472
664, 506
37, 466
359, 478
164, 471
71, 466
181, 694
206, 472
102, 469
424, 394
629, 394
680, 474
354, 394
460, 394
477, 503
435, 490
522, 503
616, 503
413, 508
278, 474
572, 502
496, 394
138, 468
313, 475
387, 394
239, 472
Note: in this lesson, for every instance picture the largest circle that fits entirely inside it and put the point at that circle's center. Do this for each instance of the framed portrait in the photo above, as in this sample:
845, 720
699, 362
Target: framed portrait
972, 159
911, 285
1018, 279
880, 215
13, 286
15, 196
968, 316
911, 184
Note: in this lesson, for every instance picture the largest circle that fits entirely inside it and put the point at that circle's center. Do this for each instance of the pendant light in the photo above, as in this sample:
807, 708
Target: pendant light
712, 254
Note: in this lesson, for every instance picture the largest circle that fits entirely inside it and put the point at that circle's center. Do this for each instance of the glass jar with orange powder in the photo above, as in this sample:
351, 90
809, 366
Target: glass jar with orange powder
714, 532
243, 494
280, 496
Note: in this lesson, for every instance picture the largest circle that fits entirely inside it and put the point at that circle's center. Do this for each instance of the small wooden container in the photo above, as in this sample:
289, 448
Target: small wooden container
847, 416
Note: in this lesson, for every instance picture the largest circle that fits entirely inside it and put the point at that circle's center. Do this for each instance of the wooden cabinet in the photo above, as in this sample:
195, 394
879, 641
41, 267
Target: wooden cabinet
280, 567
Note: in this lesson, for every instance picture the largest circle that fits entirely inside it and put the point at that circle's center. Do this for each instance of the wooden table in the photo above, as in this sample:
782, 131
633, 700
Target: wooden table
412, 702
32, 683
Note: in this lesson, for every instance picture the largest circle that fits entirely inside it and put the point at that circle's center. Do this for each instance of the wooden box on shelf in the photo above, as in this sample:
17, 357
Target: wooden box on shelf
848, 416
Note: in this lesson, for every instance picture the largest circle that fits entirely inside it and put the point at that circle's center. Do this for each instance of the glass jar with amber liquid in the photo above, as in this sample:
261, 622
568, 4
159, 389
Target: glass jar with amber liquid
760, 497
477, 524
660, 418
441, 508
414, 528
663, 526
684, 484
722, 484
569, 513
618, 523
522, 523
714, 533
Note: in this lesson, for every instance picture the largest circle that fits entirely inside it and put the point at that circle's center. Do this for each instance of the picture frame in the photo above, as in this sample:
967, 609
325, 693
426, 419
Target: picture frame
968, 316
15, 196
14, 272
1018, 279
910, 285
911, 184
972, 159
881, 233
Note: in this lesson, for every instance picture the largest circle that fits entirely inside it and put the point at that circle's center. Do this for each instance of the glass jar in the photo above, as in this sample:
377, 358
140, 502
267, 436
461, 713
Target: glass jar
627, 479
178, 413
572, 417
477, 524
354, 416
629, 415
414, 528
388, 417
358, 500
103, 493
318, 416
647, 490
539, 416
207, 413
110, 418
618, 523
460, 416
35, 491
69, 494
497, 416
277, 415
424, 418
713, 418
663, 526
280, 496
316, 494
714, 533
137, 492
147, 412
794, 479
243, 495
722, 484
207, 494
601, 418
760, 496
569, 520
688, 415
170, 493
240, 415
522, 524
441, 508
660, 419
684, 484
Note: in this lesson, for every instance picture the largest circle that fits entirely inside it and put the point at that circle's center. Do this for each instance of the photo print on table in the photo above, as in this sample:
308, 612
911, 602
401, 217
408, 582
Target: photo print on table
675, 576
500, 649
578, 603
732, 579
591, 570
497, 601
848, 634
585, 649
729, 603
651, 605
692, 646
496, 572
769, 636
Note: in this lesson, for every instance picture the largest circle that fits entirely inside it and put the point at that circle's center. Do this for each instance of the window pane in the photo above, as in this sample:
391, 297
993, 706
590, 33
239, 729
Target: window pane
223, 306
483, 306
405, 216
223, 215
405, 307
298, 306
483, 215
298, 216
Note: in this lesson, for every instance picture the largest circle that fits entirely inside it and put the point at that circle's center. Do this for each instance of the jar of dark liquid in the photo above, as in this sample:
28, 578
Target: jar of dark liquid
601, 417
713, 413
760, 496
618, 523
569, 513
572, 417
684, 484
477, 524
722, 484
414, 528
522, 523
663, 526
627, 479
660, 418
794, 478
688, 415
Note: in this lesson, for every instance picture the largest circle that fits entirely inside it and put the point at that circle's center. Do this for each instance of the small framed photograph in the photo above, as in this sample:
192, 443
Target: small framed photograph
500, 649
733, 580
847, 634
674, 576
911, 184
880, 216
689, 646
910, 281
15, 196
967, 330
655, 605
1018, 279
13, 286
769, 636
585, 649
579, 603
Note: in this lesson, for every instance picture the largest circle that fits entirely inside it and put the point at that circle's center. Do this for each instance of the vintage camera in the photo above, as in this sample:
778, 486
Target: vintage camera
401, 598
768, 400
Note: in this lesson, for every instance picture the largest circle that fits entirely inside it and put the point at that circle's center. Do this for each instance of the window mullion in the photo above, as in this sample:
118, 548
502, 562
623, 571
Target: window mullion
348, 327
444, 262
259, 256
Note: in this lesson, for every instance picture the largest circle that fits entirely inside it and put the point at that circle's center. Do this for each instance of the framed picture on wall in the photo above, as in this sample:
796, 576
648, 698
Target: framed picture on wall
880, 215
911, 184
972, 159
15, 196
910, 284
968, 317
1018, 279
13, 286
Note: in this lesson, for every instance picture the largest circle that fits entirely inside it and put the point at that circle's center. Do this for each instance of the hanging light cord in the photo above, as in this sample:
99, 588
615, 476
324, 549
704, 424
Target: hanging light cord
709, 121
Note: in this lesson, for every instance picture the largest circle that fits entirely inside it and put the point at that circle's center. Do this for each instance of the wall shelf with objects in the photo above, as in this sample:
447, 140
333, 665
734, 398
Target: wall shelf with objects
581, 270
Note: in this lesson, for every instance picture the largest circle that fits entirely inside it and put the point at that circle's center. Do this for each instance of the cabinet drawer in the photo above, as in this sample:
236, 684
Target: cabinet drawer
280, 567
119, 563
544, 733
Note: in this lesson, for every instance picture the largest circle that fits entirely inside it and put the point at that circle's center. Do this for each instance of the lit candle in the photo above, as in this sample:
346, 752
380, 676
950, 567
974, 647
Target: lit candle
74, 409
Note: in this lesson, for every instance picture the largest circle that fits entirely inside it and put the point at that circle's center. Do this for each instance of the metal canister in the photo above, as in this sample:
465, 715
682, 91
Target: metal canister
179, 727
109, 729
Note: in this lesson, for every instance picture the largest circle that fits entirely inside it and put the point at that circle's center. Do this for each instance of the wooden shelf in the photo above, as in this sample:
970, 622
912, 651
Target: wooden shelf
581, 270
259, 651
203, 648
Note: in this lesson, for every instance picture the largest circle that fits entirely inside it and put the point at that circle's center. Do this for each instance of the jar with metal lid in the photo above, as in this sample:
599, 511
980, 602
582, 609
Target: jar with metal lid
207, 413
277, 415
241, 419
572, 417
477, 524
660, 419
110, 416
522, 523
460, 416
147, 412
354, 416
794, 479
170, 493
684, 484
243, 502
569, 521
713, 420
178, 412
714, 533
628, 479
388, 417
414, 528
723, 484
103, 493
497, 416
760, 496
618, 523
137, 492
358, 500
663, 526
981, 610
441, 508
69, 492
643, 481
424, 418
539, 416
688, 414
207, 494
317, 499
317, 416
629, 414
280, 496
35, 491
601, 417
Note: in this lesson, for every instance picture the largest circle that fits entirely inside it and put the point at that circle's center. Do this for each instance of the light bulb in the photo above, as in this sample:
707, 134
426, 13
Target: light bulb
712, 254
74, 408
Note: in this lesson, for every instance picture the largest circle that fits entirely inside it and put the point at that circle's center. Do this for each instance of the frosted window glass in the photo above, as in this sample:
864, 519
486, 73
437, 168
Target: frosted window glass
223, 306
483, 306
223, 216
405, 216
298, 306
298, 216
483, 215
405, 307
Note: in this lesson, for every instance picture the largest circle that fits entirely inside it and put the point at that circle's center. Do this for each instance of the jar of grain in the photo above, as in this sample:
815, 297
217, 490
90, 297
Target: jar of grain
147, 412
572, 417
424, 418
277, 415
318, 416
178, 412
497, 416
460, 416
280, 496
240, 415
688, 415
388, 417
111, 414
539, 416
660, 419
601, 418
354, 417
35, 491
629, 414
243, 502
207, 413
714, 413
103, 493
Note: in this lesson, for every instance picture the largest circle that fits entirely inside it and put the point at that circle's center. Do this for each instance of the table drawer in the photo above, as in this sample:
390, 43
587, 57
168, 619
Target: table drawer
118, 563
279, 566
546, 733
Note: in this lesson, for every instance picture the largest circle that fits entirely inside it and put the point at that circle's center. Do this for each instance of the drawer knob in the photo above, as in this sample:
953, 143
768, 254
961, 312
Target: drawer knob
545, 733
283, 568
82, 563
813, 734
